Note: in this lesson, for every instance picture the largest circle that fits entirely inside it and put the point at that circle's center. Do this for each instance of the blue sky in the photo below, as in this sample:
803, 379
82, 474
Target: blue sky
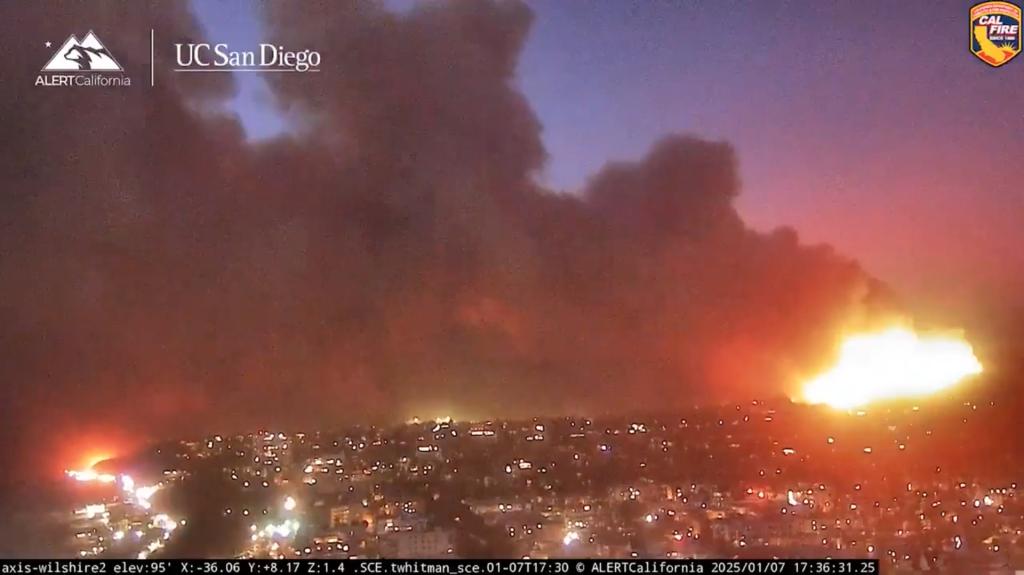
862, 124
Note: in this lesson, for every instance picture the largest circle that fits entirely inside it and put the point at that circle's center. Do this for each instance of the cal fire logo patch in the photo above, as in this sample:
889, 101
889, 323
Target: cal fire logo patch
995, 32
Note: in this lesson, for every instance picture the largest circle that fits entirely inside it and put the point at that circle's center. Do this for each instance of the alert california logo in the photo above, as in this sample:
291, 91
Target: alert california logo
995, 32
85, 62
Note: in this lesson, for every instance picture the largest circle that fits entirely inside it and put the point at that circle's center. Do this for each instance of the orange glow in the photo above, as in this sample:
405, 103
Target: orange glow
85, 460
892, 364
92, 459
85, 450
84, 471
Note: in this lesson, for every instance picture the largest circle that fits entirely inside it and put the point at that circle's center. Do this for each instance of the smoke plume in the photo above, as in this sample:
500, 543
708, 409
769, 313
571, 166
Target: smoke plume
393, 255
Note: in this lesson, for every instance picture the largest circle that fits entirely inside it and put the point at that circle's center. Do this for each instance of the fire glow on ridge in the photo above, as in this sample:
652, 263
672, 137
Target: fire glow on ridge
895, 363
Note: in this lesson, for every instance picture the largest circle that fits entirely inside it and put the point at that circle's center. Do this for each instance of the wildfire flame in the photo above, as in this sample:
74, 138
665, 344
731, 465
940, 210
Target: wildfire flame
891, 364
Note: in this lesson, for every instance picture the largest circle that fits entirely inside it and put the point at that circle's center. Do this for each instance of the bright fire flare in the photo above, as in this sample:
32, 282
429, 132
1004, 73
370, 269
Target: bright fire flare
90, 475
892, 364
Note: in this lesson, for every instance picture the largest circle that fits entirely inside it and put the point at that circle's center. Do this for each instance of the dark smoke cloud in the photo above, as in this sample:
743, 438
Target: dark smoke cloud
394, 256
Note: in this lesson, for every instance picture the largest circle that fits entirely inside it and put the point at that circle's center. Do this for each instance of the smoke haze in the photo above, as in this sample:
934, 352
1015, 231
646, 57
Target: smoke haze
393, 256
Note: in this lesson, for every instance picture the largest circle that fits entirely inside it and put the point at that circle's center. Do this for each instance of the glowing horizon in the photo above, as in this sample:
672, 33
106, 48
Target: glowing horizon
892, 364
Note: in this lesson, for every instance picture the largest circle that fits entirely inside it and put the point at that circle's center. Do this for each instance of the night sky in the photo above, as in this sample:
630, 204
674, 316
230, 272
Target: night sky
487, 208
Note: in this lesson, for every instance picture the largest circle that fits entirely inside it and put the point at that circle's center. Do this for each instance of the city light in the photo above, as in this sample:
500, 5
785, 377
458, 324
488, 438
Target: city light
138, 504
822, 505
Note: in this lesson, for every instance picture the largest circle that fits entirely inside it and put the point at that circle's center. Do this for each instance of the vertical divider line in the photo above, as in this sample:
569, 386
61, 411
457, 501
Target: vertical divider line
152, 60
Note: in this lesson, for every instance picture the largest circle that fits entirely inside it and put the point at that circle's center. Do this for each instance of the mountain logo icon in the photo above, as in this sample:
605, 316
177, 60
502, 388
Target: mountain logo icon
89, 55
